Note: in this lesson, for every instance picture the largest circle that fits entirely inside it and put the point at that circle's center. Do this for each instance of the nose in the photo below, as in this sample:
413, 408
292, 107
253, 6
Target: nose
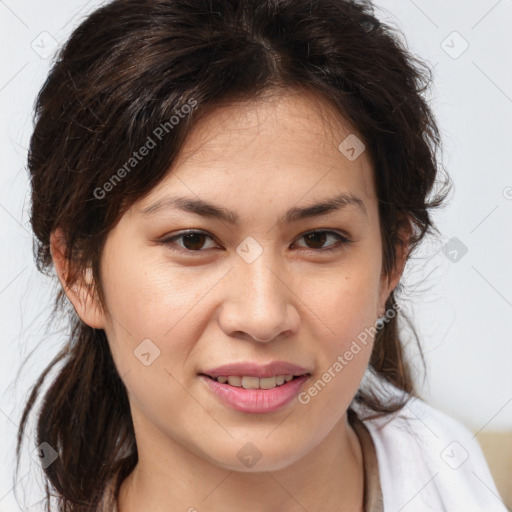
259, 304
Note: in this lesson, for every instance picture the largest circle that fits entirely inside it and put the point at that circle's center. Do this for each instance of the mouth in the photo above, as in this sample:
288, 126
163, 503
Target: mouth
255, 395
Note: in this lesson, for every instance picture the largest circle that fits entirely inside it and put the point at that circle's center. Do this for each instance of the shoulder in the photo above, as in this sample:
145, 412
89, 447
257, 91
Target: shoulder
429, 461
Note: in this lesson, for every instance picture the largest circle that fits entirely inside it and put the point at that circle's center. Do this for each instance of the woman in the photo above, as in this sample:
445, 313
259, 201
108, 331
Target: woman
262, 366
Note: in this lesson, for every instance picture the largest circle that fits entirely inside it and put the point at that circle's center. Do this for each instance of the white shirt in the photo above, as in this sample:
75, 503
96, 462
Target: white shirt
430, 462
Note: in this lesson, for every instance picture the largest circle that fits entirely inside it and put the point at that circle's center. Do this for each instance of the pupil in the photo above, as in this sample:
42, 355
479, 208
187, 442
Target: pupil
311, 236
190, 237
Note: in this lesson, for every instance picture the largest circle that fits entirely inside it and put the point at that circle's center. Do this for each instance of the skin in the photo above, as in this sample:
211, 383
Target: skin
295, 302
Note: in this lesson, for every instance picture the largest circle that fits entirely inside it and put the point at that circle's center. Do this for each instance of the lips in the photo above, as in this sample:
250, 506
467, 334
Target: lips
246, 369
255, 401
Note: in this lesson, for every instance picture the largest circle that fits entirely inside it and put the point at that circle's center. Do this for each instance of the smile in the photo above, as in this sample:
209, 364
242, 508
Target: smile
253, 394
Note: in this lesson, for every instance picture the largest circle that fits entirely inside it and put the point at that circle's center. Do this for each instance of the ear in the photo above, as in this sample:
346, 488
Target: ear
82, 293
390, 281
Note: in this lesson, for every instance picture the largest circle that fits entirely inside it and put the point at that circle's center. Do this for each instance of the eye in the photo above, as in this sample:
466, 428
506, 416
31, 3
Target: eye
319, 236
193, 240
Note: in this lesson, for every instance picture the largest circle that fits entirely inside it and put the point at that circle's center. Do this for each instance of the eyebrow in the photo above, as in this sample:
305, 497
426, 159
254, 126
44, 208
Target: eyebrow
207, 209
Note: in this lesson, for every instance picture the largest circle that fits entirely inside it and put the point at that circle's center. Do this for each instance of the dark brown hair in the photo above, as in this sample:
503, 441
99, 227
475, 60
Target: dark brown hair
128, 68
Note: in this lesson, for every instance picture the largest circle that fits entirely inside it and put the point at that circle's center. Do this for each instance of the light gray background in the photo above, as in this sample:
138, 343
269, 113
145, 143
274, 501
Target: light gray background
463, 310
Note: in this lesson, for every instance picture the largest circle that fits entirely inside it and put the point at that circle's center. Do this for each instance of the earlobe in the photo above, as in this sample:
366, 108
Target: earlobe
81, 293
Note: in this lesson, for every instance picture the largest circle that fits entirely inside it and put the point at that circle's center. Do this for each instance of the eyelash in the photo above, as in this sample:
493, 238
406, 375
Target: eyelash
343, 241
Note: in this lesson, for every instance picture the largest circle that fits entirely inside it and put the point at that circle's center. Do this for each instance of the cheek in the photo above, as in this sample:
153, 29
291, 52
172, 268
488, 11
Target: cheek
343, 353
346, 302
158, 302
156, 318
346, 315
150, 297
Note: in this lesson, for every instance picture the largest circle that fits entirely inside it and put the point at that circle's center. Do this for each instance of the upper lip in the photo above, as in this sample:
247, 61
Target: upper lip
254, 370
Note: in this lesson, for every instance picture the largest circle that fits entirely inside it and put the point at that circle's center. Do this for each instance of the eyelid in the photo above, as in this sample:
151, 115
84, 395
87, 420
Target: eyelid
343, 241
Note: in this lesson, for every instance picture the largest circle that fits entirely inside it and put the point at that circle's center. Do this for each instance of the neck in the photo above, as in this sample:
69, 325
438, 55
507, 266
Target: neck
329, 478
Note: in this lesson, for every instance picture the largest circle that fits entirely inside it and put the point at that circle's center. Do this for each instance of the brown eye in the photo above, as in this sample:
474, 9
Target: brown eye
192, 241
316, 239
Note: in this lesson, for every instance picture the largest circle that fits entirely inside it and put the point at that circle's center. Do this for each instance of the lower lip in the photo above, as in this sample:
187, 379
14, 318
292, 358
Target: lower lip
256, 401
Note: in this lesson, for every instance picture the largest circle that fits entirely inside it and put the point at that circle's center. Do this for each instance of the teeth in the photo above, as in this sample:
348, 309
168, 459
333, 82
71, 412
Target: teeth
235, 381
254, 382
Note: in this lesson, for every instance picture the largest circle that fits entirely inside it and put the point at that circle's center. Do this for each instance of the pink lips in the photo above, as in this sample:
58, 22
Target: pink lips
256, 401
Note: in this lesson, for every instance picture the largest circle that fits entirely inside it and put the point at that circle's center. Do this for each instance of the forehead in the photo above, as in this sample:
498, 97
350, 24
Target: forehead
281, 147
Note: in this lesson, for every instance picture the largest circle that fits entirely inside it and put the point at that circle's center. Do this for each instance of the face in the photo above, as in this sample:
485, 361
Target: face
262, 283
